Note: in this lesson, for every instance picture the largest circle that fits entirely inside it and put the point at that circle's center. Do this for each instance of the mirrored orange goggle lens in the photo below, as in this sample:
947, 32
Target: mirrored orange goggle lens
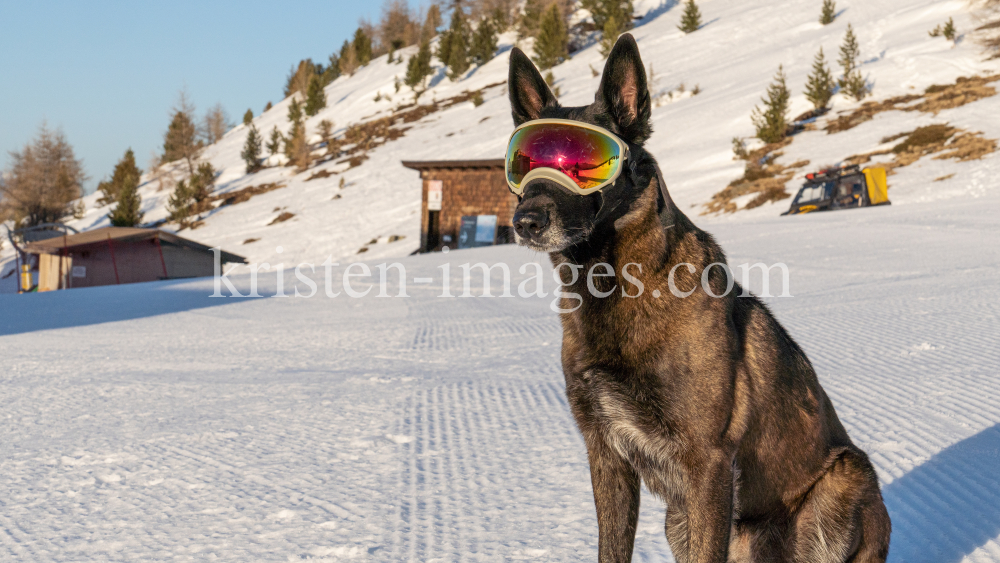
588, 157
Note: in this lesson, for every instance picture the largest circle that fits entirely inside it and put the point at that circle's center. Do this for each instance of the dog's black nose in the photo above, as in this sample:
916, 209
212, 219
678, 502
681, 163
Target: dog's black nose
530, 224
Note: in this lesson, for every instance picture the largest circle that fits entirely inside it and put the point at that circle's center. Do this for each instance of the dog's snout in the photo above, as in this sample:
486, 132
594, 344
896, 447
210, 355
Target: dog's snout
531, 223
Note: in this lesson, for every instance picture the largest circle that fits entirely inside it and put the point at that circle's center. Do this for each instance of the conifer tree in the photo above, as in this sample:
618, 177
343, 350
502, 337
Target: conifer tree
484, 42
691, 20
419, 66
296, 148
771, 123
455, 44
248, 117
126, 172
362, 47
332, 72
181, 139
348, 59
252, 149
126, 181
315, 96
295, 112
531, 18
191, 196
552, 41
829, 12
268, 107
41, 181
603, 10
852, 82
819, 85
431, 22
949, 30
274, 143
612, 29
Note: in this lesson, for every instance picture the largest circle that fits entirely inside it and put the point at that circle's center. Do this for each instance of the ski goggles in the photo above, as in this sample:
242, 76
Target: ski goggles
581, 157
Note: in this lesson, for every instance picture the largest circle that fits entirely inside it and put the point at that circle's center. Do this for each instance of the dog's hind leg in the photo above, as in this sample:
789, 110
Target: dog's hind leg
843, 518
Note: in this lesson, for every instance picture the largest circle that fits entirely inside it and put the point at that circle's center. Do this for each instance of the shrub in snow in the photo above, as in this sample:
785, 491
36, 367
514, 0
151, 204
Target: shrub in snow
691, 20
248, 117
829, 12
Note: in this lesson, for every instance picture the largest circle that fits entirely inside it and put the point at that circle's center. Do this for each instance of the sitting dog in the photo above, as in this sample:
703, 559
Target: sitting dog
706, 399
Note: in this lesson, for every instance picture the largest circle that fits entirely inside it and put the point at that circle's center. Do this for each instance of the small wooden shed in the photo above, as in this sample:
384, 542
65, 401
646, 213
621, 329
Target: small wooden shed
456, 188
117, 255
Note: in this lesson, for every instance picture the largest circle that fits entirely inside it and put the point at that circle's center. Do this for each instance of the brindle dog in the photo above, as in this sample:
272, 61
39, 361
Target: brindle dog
707, 400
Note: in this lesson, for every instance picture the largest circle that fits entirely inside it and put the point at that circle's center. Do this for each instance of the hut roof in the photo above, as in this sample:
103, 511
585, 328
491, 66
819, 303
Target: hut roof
430, 164
57, 244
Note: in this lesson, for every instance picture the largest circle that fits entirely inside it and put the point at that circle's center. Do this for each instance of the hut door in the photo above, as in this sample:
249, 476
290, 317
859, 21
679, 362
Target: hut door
433, 228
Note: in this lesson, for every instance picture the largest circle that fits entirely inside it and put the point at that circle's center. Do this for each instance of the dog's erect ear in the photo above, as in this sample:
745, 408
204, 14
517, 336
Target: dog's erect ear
624, 93
528, 92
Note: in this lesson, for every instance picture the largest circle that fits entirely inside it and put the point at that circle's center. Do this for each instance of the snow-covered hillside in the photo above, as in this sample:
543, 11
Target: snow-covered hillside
731, 60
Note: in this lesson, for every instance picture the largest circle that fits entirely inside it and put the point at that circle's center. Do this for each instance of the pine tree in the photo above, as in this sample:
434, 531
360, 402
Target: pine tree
126, 178
552, 41
126, 172
41, 182
296, 148
484, 42
531, 17
819, 86
612, 29
454, 47
771, 123
949, 30
191, 196
251, 150
181, 139
331, 72
268, 107
295, 112
431, 22
419, 66
362, 47
315, 97
691, 20
248, 117
348, 59
274, 144
604, 10
829, 12
852, 82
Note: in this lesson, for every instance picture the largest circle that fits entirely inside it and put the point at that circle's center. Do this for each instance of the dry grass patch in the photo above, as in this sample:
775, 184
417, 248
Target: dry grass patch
936, 98
361, 138
244, 194
941, 140
761, 176
284, 216
319, 174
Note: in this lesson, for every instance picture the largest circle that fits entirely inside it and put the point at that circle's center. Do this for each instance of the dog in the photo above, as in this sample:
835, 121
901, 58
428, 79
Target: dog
707, 400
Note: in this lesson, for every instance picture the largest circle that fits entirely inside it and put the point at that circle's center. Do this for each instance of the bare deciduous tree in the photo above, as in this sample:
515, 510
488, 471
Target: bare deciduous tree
215, 124
42, 181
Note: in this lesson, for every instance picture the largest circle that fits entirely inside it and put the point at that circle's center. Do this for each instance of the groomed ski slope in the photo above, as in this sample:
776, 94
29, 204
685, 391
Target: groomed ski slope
424, 429
732, 59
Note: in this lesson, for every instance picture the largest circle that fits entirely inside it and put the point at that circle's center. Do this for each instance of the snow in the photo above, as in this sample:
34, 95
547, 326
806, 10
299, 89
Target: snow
153, 422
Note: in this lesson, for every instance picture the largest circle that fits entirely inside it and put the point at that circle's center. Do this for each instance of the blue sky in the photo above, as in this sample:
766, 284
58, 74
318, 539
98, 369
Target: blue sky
107, 73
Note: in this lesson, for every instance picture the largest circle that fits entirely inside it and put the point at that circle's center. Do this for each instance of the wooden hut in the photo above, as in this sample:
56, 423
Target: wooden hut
456, 188
117, 255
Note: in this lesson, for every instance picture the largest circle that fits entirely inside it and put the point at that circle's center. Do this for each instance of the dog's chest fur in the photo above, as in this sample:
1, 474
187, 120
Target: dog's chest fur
629, 415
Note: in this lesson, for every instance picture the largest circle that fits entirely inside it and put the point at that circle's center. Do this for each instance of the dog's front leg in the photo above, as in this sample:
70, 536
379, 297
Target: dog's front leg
616, 494
710, 512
